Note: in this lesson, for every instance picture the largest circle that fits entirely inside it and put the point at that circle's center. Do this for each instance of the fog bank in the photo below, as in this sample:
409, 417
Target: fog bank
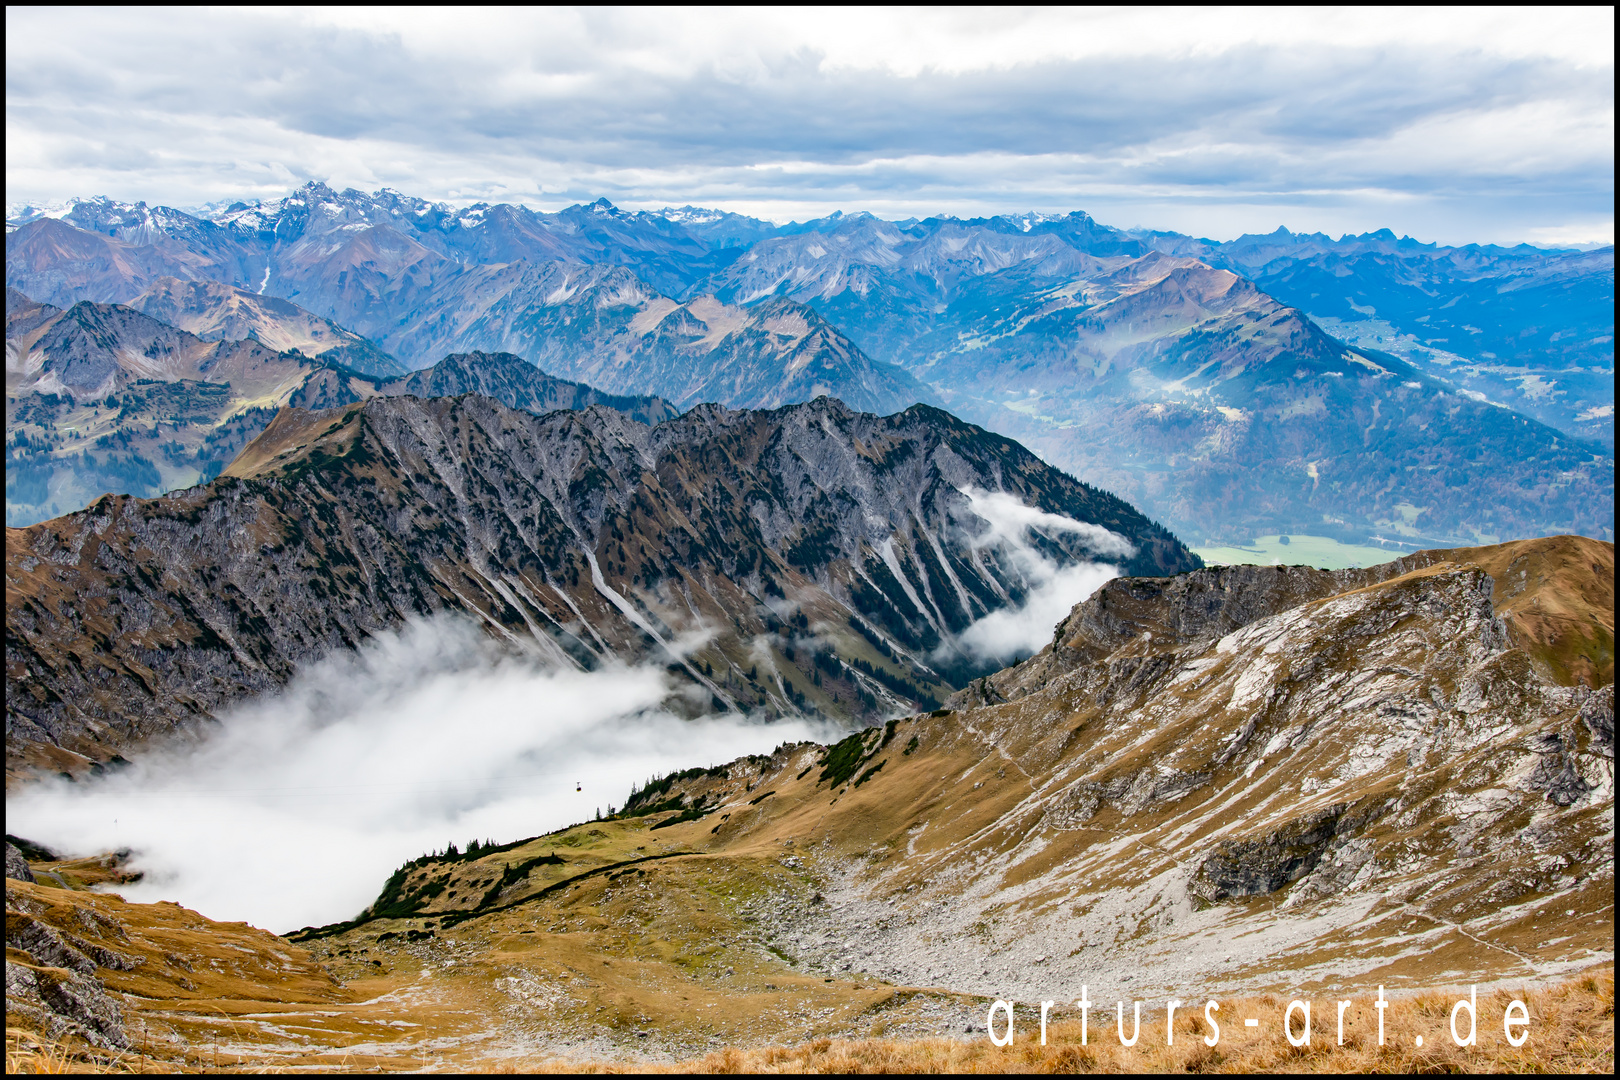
296, 809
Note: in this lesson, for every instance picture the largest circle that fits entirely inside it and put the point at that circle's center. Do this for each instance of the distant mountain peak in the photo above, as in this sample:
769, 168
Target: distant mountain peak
689, 215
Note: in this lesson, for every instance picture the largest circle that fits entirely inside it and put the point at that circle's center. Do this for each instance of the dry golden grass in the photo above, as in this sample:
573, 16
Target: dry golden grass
1571, 1030
29, 1053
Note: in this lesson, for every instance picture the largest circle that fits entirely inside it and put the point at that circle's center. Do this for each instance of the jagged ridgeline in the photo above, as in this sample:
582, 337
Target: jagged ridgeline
826, 553
107, 398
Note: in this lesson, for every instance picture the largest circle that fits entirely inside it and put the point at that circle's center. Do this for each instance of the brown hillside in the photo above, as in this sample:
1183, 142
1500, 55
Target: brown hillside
1556, 595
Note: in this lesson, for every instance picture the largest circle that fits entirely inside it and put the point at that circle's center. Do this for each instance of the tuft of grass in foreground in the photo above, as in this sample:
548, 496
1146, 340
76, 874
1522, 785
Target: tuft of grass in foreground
28, 1053
1571, 1030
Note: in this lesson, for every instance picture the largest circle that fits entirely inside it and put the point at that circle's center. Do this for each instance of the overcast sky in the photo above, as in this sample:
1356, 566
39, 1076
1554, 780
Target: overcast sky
1449, 125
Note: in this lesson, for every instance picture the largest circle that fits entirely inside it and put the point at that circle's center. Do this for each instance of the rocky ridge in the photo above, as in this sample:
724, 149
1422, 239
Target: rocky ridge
1223, 411
106, 398
87, 971
603, 326
515, 383
841, 543
422, 281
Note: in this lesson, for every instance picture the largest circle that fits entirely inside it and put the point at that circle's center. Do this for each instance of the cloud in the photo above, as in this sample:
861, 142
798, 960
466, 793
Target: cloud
1212, 121
1009, 520
1052, 590
298, 807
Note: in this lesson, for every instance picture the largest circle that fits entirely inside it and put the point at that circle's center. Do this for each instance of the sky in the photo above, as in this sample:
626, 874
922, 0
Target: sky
1451, 125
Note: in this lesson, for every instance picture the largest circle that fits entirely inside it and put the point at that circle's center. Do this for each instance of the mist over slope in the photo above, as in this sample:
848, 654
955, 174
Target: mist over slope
1232, 781
805, 561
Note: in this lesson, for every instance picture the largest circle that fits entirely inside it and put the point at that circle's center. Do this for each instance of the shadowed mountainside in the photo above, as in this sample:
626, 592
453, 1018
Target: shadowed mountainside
509, 379
842, 543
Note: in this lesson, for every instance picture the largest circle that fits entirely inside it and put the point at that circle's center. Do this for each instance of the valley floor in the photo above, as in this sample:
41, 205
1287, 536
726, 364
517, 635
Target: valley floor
595, 996
1322, 552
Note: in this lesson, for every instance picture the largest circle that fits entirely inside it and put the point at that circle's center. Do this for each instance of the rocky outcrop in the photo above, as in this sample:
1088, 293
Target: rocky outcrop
60, 1002
1256, 865
16, 865
1598, 717
1555, 772
1171, 612
51, 982
89, 974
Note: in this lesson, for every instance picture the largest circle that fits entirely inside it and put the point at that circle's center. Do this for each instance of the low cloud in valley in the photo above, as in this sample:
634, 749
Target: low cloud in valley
298, 806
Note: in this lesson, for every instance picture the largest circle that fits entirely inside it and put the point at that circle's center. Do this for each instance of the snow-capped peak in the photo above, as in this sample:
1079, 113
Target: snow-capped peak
688, 215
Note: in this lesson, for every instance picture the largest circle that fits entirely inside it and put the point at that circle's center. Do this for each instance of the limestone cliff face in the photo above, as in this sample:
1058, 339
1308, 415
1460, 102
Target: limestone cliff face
1554, 595
843, 542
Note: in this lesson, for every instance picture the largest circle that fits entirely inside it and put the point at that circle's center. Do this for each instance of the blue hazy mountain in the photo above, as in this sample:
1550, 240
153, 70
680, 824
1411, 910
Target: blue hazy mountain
1527, 327
1211, 384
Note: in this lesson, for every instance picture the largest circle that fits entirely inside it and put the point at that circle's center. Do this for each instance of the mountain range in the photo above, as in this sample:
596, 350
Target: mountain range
1151, 364
103, 397
1526, 327
1225, 779
831, 557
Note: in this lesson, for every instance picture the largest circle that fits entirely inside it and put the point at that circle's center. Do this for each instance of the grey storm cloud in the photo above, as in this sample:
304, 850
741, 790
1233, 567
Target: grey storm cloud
1453, 142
